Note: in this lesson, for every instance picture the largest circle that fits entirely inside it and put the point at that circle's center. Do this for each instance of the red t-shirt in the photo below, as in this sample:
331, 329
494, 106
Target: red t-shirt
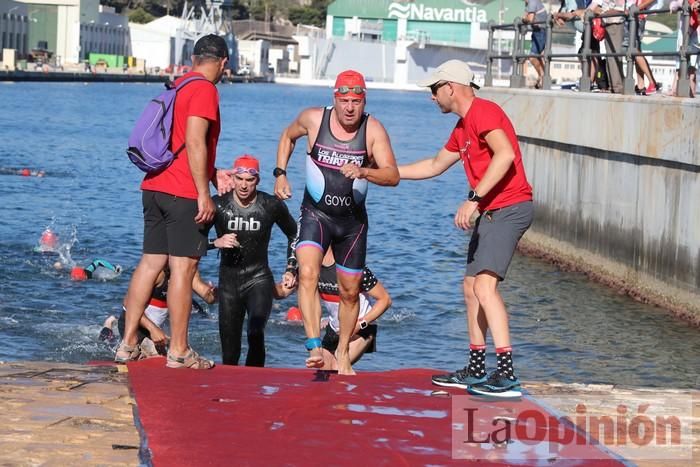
200, 99
468, 139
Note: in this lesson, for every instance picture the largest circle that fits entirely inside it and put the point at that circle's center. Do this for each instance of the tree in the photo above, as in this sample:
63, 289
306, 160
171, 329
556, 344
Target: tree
140, 16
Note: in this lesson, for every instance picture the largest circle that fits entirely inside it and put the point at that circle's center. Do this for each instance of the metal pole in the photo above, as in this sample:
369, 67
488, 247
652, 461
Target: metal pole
683, 81
585, 83
547, 78
631, 19
515, 81
488, 79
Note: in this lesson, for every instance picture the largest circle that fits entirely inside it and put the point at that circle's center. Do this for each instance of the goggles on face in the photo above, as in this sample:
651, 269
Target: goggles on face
350, 89
243, 170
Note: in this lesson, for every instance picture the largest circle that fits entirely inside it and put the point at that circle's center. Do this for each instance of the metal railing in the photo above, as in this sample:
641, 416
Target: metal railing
518, 55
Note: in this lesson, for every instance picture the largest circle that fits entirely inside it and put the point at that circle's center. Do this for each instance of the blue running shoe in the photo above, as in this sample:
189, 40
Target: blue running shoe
497, 386
459, 379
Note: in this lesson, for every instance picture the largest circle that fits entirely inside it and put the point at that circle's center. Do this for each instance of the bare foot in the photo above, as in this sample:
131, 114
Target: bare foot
344, 365
315, 359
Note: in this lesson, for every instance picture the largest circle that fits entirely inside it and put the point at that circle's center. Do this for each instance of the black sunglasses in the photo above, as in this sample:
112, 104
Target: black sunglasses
434, 88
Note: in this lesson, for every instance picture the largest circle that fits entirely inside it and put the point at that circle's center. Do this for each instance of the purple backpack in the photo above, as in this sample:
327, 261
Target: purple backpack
149, 143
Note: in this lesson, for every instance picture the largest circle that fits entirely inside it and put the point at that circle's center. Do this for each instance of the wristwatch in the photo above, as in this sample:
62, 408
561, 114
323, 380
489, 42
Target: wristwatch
363, 324
277, 172
472, 196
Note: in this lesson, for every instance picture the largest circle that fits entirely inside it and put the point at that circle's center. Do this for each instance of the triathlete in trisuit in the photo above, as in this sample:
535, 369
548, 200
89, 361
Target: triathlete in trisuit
347, 149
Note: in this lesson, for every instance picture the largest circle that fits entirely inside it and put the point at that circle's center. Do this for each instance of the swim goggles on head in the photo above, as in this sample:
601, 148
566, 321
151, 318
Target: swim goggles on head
350, 89
241, 170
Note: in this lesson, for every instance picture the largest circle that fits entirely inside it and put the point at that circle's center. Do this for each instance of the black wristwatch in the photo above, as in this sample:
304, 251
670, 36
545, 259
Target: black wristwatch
363, 324
472, 196
277, 172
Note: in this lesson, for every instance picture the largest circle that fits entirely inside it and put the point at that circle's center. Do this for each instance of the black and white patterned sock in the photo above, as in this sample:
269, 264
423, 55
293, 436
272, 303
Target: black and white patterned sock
504, 359
477, 360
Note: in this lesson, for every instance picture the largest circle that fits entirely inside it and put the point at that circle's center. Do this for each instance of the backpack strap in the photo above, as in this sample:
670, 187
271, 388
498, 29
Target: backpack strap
177, 89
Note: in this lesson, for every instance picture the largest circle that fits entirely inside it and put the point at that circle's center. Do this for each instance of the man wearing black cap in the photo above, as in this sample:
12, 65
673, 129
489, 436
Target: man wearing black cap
177, 207
498, 208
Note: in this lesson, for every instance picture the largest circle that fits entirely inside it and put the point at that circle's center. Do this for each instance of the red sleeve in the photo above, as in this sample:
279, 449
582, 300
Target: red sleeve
452, 144
490, 118
204, 102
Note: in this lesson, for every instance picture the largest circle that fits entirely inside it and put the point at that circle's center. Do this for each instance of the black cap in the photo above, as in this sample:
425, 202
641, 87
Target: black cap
211, 45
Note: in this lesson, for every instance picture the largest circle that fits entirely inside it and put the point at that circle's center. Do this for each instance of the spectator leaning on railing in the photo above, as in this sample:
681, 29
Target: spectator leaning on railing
574, 10
535, 12
614, 33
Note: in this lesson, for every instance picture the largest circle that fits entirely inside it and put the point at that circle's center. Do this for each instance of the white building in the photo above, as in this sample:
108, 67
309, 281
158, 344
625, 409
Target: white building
254, 56
155, 41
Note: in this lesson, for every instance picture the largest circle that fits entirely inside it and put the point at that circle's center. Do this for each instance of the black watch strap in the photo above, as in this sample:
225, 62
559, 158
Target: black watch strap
472, 196
277, 172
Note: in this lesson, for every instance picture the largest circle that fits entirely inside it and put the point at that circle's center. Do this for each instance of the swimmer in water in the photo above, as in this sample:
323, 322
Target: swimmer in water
48, 242
98, 269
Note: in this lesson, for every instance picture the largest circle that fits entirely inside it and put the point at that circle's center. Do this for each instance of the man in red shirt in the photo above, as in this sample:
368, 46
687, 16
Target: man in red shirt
498, 208
177, 207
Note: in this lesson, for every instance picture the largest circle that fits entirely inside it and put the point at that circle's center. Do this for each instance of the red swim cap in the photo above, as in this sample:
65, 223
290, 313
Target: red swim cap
293, 314
25, 172
350, 83
78, 274
247, 163
48, 238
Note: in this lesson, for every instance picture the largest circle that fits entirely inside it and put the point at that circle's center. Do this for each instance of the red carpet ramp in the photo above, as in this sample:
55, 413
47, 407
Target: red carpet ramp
272, 416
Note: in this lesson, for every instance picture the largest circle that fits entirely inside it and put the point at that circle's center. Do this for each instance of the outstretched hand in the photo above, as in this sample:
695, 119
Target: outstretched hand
224, 181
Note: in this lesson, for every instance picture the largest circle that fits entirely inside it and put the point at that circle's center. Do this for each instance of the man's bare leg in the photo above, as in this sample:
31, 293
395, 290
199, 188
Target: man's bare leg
348, 311
182, 271
309, 261
486, 291
139, 294
476, 318
539, 67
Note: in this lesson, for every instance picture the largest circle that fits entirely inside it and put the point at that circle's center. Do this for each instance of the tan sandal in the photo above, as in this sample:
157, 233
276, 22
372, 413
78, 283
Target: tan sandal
190, 360
126, 353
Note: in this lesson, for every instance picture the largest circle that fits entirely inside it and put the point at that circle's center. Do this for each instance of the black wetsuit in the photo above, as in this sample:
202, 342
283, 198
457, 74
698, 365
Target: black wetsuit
333, 210
245, 279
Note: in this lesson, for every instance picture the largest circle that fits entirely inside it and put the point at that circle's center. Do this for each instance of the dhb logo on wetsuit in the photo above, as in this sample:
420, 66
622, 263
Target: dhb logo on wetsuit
239, 223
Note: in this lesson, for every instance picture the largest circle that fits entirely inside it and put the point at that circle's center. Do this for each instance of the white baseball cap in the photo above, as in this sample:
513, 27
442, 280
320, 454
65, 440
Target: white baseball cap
454, 71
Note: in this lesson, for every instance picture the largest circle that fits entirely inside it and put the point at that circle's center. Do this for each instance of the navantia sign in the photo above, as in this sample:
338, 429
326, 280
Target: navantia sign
420, 12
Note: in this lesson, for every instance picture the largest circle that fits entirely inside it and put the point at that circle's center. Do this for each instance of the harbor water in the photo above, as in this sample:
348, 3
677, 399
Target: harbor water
564, 327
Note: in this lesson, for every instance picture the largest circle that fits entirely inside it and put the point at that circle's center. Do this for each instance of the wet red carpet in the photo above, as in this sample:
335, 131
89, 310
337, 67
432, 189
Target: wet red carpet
272, 416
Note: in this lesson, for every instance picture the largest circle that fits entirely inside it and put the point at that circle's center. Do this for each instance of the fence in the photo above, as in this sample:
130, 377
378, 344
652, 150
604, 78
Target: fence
518, 55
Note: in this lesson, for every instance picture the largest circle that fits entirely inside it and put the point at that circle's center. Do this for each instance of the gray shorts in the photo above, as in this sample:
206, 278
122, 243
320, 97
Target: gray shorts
495, 237
169, 227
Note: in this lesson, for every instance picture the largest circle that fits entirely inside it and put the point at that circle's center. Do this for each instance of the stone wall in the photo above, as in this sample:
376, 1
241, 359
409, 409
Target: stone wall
617, 188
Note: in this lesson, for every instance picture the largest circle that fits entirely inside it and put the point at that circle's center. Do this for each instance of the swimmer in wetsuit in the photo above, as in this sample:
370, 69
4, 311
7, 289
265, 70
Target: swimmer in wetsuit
99, 268
347, 149
244, 221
